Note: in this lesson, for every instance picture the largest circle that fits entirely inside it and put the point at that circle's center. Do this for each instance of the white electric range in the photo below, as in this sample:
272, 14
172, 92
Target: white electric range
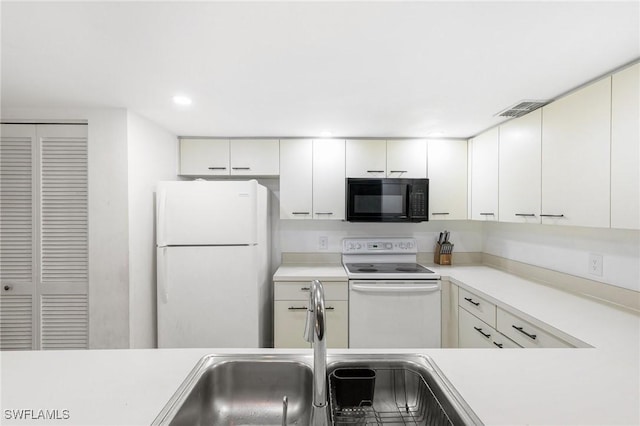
394, 302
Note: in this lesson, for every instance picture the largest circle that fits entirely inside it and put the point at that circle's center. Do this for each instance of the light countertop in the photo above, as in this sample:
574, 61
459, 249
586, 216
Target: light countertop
596, 386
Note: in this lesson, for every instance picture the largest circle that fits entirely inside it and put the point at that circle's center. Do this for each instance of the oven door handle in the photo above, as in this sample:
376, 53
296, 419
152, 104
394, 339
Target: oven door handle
395, 288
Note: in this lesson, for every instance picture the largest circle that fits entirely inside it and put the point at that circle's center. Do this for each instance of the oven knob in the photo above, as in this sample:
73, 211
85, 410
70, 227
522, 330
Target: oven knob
402, 246
358, 246
388, 246
409, 245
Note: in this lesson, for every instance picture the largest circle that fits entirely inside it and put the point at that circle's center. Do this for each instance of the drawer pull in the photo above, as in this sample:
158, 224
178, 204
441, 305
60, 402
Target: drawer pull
241, 168
552, 215
299, 212
297, 308
397, 171
375, 171
217, 168
530, 336
329, 308
324, 213
440, 214
487, 214
8, 287
304, 289
479, 330
498, 345
526, 214
470, 300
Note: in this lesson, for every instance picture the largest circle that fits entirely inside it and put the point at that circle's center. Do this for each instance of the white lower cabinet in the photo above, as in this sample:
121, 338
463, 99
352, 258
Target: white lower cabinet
290, 313
475, 333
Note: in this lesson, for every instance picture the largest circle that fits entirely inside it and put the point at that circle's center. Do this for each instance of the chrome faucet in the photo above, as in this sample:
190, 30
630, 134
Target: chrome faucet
315, 333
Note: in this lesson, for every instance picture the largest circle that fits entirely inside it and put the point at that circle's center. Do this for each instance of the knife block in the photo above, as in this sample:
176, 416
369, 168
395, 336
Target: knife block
440, 258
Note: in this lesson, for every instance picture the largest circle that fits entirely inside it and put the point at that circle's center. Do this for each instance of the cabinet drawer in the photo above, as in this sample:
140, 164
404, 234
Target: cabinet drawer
527, 334
479, 307
299, 290
474, 333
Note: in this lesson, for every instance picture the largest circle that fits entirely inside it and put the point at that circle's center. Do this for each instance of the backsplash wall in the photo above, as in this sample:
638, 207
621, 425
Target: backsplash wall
567, 249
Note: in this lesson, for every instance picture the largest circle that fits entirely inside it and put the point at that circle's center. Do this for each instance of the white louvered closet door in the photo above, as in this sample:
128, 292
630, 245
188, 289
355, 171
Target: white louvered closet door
64, 256
57, 207
18, 272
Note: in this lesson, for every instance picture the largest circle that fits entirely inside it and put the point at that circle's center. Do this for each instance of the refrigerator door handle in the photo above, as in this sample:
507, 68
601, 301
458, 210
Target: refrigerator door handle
163, 285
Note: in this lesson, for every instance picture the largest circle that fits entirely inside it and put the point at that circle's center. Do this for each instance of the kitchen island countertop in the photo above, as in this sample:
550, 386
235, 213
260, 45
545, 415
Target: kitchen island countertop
597, 386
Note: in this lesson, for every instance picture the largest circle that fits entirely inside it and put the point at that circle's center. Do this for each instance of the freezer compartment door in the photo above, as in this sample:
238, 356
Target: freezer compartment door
206, 213
394, 314
208, 297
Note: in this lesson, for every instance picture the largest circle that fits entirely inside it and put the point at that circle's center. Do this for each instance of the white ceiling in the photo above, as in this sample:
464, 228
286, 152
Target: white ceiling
408, 69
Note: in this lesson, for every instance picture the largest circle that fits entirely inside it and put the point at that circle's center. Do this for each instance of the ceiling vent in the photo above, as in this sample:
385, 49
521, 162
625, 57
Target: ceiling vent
521, 108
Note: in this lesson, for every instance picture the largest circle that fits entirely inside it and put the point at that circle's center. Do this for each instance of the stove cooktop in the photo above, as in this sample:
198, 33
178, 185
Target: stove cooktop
387, 268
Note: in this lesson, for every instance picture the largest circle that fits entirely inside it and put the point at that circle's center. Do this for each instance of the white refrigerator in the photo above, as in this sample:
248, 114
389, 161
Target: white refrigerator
213, 264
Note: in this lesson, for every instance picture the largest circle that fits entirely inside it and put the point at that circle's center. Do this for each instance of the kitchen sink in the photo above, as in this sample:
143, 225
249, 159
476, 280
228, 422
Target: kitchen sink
228, 391
251, 390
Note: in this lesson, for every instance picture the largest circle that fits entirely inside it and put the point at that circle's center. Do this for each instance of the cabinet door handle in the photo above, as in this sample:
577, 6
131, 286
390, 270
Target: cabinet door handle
487, 214
470, 300
479, 330
217, 168
375, 171
530, 336
241, 168
397, 171
526, 214
299, 212
498, 345
551, 215
298, 308
305, 288
440, 214
324, 212
329, 308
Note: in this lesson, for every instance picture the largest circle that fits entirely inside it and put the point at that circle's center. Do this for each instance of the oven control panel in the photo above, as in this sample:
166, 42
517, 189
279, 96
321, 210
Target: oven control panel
379, 245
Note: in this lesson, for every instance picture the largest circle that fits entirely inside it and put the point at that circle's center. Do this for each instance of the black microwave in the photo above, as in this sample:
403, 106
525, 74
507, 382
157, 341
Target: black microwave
387, 200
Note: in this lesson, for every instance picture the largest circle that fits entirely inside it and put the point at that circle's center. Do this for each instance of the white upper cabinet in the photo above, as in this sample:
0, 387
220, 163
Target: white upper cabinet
407, 158
366, 158
484, 176
312, 179
204, 157
255, 157
520, 152
296, 179
376, 158
447, 179
625, 149
576, 169
224, 157
328, 179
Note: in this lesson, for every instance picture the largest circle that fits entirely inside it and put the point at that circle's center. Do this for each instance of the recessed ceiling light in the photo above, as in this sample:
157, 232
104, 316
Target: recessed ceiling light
326, 134
181, 100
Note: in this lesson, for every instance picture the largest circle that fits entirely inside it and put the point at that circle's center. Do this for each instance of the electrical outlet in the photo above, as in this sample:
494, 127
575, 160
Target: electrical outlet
323, 243
595, 264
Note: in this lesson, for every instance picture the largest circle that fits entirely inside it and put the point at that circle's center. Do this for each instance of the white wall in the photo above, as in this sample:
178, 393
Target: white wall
567, 249
153, 156
108, 218
303, 235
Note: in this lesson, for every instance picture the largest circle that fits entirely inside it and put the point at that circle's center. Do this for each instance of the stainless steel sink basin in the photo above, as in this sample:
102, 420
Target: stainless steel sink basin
232, 391
249, 390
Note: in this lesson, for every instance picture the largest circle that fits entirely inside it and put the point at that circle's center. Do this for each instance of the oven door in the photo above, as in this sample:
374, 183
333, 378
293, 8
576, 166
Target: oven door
394, 314
378, 200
